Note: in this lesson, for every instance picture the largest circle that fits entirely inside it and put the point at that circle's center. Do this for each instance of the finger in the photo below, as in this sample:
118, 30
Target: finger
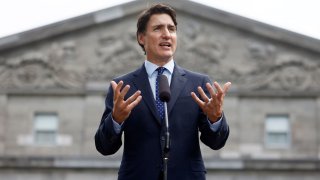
197, 99
133, 97
220, 93
117, 89
218, 87
114, 86
203, 95
211, 90
226, 87
124, 91
134, 103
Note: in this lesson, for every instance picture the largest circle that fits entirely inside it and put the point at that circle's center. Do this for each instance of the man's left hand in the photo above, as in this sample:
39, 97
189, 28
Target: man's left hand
212, 106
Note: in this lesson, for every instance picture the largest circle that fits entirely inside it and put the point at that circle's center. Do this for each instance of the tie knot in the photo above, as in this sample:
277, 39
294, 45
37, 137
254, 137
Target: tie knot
160, 70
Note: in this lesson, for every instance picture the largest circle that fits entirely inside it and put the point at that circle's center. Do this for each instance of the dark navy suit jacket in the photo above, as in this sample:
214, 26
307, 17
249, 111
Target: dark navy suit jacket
144, 132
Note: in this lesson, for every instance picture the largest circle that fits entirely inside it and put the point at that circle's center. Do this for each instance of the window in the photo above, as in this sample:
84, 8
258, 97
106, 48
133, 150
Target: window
45, 128
277, 130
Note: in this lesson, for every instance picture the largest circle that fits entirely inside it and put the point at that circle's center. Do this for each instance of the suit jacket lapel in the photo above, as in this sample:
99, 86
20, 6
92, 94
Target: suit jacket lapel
178, 82
141, 82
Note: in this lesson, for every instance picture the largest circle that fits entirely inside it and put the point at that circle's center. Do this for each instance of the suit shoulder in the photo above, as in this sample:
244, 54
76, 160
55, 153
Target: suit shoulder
196, 74
126, 76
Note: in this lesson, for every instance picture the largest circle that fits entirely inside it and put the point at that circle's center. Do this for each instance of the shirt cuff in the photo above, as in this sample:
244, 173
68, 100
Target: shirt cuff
216, 125
116, 126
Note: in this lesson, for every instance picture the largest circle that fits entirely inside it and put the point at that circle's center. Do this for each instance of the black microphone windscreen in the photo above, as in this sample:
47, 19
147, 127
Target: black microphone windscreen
164, 89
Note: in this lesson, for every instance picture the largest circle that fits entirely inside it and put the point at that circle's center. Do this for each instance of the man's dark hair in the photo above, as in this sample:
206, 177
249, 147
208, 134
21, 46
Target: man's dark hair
144, 18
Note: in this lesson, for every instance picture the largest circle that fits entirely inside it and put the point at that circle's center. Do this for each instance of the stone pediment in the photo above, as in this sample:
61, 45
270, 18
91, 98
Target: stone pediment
86, 52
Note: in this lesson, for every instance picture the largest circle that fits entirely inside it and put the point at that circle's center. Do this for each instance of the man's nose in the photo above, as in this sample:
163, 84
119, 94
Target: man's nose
166, 33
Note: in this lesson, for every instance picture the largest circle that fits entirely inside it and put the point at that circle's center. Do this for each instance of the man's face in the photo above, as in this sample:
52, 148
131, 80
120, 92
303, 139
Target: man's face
160, 39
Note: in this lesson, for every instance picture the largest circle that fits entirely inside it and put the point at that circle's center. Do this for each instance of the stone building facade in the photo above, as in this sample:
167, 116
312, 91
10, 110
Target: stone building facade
54, 79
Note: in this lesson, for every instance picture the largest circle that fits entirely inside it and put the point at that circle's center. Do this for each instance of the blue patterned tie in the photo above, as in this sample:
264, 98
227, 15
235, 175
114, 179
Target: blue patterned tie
159, 103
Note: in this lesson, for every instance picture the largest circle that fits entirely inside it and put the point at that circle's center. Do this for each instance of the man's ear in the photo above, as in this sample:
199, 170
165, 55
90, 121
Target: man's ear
141, 38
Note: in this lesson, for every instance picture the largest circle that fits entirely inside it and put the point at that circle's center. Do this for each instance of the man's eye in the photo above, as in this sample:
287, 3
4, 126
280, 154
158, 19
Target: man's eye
172, 29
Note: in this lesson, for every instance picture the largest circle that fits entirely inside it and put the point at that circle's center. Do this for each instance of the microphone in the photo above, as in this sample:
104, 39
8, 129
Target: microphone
164, 89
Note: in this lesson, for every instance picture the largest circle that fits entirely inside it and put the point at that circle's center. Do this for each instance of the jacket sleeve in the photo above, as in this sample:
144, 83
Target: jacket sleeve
107, 141
213, 139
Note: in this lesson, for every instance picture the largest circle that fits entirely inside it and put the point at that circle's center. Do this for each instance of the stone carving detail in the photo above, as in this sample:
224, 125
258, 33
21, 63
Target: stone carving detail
37, 70
65, 51
199, 50
209, 48
284, 72
203, 56
118, 53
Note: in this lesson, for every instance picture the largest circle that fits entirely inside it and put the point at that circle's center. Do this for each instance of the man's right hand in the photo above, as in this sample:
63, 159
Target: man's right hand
122, 108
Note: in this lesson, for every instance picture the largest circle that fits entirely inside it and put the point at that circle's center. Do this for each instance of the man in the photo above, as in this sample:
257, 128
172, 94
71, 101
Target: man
132, 102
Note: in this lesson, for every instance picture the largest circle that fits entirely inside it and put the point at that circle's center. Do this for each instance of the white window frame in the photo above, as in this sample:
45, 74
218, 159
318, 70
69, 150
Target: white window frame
53, 129
285, 127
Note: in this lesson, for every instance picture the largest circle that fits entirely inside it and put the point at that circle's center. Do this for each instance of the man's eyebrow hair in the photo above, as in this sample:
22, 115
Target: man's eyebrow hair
171, 25
157, 25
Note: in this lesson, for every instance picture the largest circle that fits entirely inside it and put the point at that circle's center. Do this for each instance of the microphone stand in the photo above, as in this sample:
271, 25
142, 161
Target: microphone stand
167, 143
164, 95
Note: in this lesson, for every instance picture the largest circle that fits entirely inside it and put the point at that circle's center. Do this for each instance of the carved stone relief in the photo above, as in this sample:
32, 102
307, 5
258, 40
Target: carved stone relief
39, 70
199, 50
279, 71
118, 53
63, 52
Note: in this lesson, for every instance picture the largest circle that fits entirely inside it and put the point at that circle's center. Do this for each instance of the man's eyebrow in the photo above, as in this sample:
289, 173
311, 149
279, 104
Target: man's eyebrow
157, 25
160, 25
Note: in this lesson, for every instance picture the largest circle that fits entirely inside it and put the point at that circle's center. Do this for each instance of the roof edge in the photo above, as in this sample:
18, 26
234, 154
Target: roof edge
249, 25
68, 25
126, 9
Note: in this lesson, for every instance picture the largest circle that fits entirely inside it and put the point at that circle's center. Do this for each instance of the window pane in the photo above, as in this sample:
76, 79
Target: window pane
46, 122
277, 124
277, 131
45, 128
277, 138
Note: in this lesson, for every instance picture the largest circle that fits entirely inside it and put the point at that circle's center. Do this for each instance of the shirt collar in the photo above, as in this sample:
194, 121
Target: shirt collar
150, 67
